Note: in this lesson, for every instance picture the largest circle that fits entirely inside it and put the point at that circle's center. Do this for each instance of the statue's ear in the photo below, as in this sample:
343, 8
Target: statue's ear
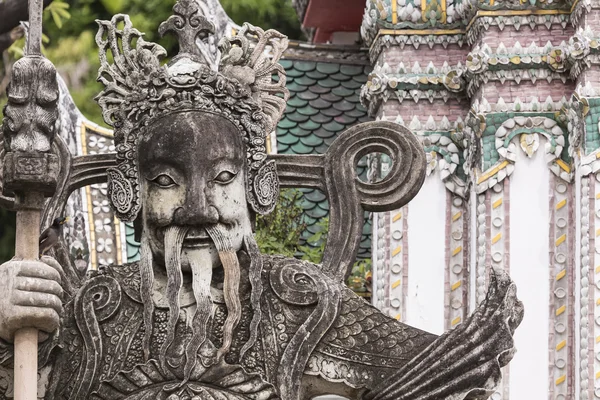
123, 192
263, 190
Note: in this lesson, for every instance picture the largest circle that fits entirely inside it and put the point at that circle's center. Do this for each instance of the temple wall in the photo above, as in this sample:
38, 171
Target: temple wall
453, 109
424, 55
529, 262
426, 258
540, 34
526, 91
526, 109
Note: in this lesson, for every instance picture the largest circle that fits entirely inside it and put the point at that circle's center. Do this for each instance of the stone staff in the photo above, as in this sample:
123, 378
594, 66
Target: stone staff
30, 171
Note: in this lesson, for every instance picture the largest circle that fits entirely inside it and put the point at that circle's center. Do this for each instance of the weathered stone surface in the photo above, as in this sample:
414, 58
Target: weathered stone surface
203, 314
23, 171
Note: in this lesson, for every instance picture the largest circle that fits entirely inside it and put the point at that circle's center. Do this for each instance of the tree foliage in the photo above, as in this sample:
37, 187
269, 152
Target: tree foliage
279, 232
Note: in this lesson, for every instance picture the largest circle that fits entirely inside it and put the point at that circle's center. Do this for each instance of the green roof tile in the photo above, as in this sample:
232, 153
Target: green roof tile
352, 70
310, 125
300, 148
287, 64
133, 247
357, 112
288, 139
325, 134
328, 141
331, 97
361, 79
344, 105
293, 73
282, 148
308, 95
312, 141
345, 120
315, 196
342, 92
329, 83
297, 131
352, 84
334, 127
305, 80
294, 87
296, 102
320, 119
328, 68
286, 124
309, 111
341, 77
320, 103
317, 212
319, 89
322, 149
304, 66
297, 117
331, 112
316, 75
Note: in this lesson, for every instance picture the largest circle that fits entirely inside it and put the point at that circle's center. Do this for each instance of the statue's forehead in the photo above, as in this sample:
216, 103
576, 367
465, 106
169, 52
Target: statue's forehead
194, 137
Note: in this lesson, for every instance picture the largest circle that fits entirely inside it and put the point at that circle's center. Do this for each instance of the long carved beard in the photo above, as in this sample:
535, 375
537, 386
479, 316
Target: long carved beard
147, 280
201, 280
254, 275
174, 236
231, 284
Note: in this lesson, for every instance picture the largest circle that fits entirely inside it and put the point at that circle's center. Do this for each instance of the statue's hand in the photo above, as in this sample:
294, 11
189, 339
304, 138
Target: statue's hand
30, 296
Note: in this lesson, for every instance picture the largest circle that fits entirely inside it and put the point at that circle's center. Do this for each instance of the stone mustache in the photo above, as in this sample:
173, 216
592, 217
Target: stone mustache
204, 315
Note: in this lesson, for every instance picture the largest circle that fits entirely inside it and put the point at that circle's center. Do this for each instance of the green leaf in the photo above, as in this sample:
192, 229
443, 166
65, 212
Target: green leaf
16, 49
58, 12
56, 19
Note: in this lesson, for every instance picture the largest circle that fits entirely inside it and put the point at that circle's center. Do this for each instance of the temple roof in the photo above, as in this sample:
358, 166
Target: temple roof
324, 83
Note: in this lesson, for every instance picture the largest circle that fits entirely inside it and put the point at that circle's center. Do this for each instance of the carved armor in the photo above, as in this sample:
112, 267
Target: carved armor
99, 351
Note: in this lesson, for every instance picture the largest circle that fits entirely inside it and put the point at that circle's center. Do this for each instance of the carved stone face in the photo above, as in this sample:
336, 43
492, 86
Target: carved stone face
192, 173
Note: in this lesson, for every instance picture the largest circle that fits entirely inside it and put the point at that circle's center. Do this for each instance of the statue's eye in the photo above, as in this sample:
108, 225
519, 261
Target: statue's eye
225, 177
164, 181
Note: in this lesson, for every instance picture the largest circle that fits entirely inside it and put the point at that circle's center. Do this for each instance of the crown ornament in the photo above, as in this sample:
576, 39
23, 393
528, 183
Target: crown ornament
139, 88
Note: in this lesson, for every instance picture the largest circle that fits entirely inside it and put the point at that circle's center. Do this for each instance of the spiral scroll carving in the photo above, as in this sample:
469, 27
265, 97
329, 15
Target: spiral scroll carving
303, 284
97, 301
349, 197
295, 283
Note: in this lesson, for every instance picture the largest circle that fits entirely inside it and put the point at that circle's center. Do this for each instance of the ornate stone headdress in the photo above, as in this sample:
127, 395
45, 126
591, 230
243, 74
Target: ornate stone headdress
139, 90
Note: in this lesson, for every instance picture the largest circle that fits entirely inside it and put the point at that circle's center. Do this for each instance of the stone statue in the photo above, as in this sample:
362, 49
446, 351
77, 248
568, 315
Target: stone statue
204, 315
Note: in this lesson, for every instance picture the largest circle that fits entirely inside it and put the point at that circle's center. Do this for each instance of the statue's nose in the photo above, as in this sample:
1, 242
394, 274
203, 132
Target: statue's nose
197, 210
